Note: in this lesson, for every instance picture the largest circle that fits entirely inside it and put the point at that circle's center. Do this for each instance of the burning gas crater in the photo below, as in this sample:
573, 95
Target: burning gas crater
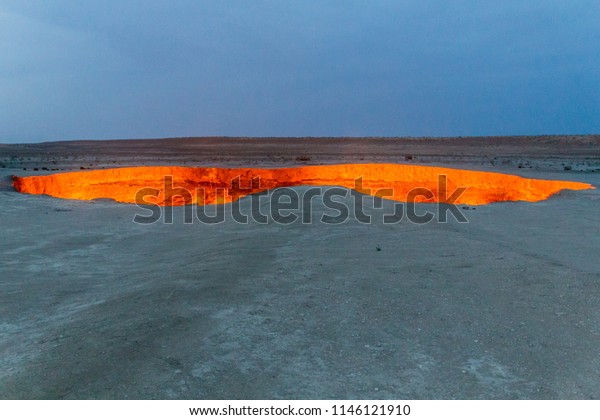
174, 185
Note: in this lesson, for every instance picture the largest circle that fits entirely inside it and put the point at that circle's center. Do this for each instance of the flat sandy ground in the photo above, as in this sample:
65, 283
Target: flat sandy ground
93, 305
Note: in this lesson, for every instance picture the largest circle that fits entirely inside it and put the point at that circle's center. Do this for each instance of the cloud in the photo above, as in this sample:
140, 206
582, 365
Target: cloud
119, 69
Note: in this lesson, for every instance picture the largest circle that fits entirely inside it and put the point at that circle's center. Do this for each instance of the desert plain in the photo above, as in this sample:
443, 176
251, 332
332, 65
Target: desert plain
95, 306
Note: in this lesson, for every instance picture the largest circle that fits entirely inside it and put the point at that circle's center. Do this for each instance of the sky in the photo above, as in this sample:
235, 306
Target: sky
152, 68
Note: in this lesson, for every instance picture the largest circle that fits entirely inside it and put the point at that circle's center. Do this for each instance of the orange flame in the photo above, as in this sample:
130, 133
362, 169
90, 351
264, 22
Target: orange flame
391, 181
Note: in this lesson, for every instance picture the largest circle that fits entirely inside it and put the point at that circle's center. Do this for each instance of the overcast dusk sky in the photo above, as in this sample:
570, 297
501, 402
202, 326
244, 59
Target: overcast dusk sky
149, 68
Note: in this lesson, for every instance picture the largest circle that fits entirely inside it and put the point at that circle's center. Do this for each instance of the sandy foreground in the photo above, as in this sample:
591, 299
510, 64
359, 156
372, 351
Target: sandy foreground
507, 305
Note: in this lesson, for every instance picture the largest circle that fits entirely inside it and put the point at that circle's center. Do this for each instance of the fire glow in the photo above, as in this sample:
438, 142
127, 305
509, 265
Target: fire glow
392, 181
